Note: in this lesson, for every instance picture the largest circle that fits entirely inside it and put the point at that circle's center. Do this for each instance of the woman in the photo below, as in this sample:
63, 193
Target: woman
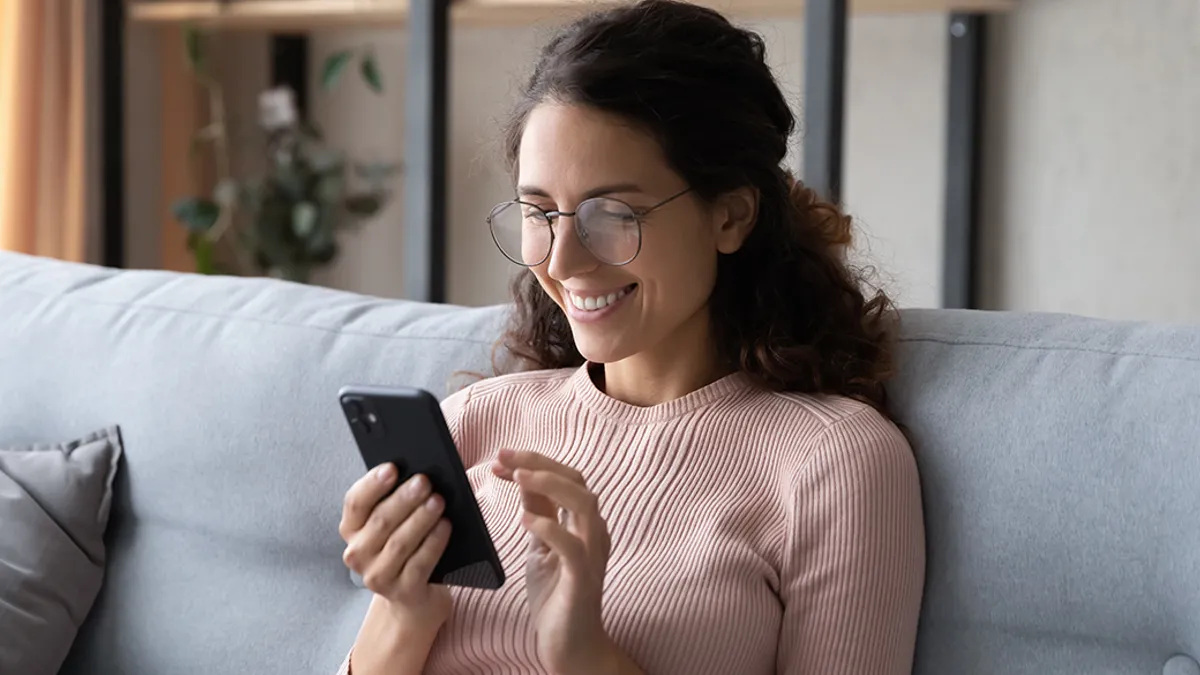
701, 397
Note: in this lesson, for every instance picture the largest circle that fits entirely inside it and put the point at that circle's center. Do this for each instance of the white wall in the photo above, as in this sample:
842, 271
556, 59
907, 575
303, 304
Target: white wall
1094, 175
1092, 180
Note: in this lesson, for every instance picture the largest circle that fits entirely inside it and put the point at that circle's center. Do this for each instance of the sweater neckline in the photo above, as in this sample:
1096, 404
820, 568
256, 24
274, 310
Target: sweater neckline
601, 403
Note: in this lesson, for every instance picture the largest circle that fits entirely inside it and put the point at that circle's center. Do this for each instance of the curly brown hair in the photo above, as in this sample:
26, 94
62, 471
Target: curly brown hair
787, 308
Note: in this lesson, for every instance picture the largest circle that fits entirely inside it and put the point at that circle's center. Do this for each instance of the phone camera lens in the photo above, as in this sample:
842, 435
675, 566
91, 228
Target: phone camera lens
355, 413
362, 416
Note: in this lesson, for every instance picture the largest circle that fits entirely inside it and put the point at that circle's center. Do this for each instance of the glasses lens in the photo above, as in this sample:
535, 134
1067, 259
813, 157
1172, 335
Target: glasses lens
610, 230
521, 232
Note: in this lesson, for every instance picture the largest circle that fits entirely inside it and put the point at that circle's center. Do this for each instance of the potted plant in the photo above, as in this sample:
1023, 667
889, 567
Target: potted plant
284, 221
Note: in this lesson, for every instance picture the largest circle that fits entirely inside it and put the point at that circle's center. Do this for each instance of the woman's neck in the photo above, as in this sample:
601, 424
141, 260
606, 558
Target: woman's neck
684, 362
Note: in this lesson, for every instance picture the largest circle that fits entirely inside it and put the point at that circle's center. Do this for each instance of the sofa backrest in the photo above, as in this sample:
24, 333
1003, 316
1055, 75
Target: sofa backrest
224, 553
1060, 464
1058, 455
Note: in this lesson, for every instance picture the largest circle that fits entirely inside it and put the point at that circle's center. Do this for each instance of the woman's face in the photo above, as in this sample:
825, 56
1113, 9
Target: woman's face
656, 304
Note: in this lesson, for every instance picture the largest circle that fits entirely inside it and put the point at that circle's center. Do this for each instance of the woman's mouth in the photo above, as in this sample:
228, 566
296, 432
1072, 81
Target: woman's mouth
587, 305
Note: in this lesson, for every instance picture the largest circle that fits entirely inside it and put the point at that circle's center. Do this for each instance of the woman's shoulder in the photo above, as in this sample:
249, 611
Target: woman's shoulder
822, 411
812, 426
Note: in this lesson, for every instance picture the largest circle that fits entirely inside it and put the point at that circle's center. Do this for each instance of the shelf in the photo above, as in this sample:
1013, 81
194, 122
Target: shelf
317, 14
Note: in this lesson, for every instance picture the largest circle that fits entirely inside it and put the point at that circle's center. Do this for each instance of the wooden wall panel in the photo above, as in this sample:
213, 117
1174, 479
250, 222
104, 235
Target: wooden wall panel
184, 110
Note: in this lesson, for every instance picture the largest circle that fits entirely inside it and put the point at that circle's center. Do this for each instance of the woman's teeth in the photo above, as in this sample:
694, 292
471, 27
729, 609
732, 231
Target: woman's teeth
592, 304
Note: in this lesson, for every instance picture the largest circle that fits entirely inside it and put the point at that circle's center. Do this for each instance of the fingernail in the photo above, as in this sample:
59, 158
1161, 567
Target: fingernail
520, 475
417, 485
505, 454
433, 503
385, 473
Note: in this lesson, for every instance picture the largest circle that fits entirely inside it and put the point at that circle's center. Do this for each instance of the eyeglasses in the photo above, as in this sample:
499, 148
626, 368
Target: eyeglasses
608, 228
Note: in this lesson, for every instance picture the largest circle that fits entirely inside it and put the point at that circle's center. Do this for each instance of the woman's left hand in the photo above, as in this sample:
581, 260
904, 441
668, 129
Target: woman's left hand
564, 571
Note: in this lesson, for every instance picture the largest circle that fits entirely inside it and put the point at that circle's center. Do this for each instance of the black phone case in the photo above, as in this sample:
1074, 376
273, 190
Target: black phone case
405, 426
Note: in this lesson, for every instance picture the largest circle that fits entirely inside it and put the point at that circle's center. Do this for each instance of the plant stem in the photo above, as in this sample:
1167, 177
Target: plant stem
228, 215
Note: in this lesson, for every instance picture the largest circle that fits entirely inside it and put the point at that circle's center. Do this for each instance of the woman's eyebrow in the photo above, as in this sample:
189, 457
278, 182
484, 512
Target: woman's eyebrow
535, 191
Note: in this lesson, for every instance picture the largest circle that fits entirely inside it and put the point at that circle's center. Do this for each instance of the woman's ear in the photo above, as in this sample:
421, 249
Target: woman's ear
736, 214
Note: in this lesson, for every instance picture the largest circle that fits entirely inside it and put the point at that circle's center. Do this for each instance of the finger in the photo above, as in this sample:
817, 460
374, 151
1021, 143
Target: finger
362, 497
501, 471
556, 538
386, 518
522, 459
581, 505
420, 565
537, 503
403, 543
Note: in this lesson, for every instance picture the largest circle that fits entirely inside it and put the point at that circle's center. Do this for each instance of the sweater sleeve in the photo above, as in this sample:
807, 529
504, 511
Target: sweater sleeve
452, 409
854, 564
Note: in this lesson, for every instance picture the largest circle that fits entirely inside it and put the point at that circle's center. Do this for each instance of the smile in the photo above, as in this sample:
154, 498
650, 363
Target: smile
593, 303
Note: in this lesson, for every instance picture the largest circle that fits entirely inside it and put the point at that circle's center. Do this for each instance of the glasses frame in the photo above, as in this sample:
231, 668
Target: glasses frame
552, 216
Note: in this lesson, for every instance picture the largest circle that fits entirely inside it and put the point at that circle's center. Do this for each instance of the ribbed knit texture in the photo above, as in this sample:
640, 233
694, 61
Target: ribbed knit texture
752, 532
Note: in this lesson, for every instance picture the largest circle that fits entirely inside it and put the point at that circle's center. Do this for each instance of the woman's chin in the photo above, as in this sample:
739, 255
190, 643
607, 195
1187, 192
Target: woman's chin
599, 351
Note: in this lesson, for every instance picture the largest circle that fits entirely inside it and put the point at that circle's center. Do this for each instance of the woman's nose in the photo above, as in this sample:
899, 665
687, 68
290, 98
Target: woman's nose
568, 256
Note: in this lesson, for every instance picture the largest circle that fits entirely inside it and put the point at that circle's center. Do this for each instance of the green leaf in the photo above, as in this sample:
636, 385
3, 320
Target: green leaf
291, 182
304, 219
364, 204
370, 72
335, 63
203, 252
193, 44
197, 215
329, 188
324, 161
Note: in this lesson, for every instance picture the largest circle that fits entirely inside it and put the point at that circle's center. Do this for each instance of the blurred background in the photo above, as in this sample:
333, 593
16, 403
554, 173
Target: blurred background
999, 154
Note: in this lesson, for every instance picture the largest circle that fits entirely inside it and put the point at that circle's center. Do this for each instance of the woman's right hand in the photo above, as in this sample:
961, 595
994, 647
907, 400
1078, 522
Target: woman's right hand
394, 545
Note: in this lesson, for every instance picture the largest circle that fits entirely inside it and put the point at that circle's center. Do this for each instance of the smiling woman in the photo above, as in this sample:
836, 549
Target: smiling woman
753, 259
698, 386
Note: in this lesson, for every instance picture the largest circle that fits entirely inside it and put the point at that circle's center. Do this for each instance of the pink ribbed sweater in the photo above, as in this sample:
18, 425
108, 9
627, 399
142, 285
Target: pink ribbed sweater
752, 532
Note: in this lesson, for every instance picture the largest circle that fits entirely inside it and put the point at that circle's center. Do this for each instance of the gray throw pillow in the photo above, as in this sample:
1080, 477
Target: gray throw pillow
54, 506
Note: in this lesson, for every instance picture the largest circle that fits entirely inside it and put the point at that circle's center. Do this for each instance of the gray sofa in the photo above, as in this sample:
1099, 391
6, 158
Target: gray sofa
1059, 458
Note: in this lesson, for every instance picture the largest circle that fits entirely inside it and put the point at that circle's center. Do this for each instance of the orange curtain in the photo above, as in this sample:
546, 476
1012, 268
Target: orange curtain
43, 148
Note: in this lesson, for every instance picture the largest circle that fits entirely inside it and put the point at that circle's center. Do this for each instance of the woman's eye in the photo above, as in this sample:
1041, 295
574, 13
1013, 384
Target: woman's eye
619, 217
534, 215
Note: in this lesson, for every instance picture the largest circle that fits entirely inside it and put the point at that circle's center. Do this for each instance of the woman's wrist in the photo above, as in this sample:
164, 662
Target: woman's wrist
419, 626
392, 641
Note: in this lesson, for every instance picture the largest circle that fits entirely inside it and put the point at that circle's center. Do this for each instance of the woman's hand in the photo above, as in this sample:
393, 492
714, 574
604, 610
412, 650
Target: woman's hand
395, 544
564, 570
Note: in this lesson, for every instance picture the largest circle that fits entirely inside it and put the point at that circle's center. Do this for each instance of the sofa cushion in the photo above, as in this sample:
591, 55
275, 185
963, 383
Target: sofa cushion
54, 506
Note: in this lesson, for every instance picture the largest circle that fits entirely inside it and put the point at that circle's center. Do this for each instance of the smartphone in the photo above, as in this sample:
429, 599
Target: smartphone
405, 426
